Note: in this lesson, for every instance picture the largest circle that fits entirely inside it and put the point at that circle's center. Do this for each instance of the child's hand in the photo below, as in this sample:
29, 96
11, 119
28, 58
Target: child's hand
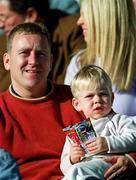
97, 145
76, 153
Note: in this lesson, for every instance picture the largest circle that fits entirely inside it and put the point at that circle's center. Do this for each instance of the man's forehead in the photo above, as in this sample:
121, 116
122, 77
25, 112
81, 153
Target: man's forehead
24, 34
23, 41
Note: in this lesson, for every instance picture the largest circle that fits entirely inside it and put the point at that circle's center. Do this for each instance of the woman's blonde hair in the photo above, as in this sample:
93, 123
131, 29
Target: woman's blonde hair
112, 38
90, 77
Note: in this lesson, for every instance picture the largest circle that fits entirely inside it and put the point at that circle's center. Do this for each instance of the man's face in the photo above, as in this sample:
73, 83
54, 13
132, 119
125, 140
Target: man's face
29, 61
8, 18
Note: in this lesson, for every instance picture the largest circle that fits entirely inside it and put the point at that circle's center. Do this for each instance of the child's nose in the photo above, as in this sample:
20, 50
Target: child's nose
97, 98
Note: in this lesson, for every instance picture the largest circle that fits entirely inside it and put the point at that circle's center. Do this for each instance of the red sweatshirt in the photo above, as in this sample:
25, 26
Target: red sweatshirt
133, 155
32, 131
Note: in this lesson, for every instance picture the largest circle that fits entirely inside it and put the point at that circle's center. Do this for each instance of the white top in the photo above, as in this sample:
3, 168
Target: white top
119, 131
124, 101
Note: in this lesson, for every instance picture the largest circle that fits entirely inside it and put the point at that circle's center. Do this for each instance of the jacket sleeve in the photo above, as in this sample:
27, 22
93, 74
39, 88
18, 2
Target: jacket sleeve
123, 134
65, 163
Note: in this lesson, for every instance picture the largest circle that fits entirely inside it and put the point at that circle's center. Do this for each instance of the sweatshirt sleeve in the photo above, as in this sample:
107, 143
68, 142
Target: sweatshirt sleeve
65, 163
122, 136
132, 157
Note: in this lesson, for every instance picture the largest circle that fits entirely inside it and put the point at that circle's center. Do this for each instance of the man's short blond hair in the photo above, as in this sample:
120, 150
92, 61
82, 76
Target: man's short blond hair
28, 28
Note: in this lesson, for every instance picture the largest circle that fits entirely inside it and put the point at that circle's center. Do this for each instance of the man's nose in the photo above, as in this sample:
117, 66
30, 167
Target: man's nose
33, 59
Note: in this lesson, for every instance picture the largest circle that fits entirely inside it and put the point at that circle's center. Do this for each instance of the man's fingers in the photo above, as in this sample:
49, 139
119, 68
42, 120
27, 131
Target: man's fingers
110, 171
114, 172
117, 174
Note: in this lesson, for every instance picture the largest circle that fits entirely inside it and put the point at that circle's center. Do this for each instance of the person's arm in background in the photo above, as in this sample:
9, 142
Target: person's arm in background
72, 68
65, 43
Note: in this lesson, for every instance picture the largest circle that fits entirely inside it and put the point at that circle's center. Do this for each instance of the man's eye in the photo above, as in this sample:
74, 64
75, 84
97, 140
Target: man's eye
24, 53
41, 54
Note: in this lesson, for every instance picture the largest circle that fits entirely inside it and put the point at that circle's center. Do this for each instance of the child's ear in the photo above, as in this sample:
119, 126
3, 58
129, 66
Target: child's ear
76, 104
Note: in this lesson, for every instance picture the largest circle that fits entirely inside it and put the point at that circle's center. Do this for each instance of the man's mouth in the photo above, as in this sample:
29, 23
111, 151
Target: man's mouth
32, 71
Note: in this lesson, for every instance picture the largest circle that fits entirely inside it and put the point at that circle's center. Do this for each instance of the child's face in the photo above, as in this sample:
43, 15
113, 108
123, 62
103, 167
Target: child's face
94, 103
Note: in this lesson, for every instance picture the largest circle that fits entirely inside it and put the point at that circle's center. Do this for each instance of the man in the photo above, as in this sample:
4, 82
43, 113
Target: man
66, 37
34, 110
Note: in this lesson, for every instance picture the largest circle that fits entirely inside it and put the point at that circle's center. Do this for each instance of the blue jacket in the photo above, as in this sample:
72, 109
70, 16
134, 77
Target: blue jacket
8, 166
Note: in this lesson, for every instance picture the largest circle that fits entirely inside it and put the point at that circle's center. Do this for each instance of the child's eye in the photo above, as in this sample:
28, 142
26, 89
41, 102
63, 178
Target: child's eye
90, 96
104, 94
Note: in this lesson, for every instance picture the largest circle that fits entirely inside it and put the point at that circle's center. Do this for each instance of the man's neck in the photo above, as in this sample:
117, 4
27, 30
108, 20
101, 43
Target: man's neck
29, 94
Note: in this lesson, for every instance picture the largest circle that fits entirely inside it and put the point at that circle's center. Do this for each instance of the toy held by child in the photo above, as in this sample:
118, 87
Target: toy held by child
80, 133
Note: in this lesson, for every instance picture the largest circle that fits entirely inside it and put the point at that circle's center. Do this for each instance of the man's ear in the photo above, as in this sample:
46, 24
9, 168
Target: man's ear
51, 61
112, 98
76, 105
31, 15
6, 61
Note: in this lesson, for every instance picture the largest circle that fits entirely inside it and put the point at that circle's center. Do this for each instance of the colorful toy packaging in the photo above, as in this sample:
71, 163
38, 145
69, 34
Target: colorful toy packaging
80, 132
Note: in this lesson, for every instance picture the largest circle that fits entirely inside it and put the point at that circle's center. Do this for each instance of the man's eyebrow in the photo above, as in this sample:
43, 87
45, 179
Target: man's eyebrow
42, 50
24, 49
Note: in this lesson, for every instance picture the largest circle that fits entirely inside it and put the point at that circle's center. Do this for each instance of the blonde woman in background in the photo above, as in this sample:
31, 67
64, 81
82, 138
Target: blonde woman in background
109, 29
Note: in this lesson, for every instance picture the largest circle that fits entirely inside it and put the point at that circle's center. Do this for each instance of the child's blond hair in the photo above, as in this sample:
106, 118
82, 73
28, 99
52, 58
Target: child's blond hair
90, 77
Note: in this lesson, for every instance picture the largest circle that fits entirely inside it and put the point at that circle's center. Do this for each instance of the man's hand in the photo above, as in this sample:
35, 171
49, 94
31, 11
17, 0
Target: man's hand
120, 164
